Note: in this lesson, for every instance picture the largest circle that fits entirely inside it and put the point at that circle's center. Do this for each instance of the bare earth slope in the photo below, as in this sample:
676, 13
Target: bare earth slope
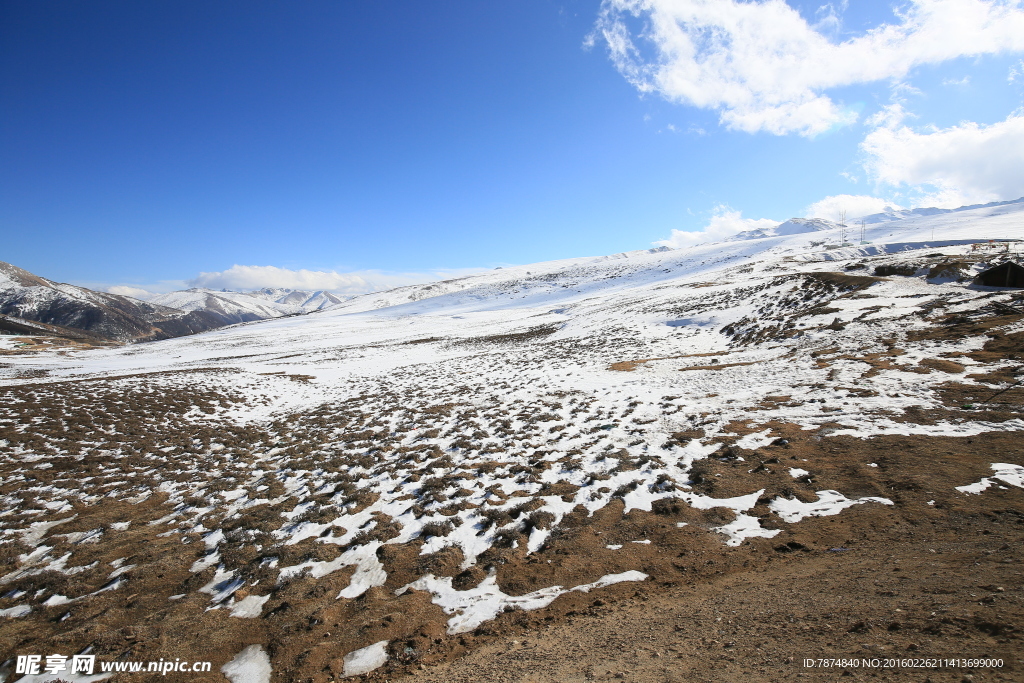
703, 464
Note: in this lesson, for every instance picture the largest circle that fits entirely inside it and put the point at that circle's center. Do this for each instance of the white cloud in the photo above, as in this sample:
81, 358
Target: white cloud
725, 222
358, 282
889, 116
257, 277
830, 18
949, 167
855, 206
242, 278
133, 292
1015, 72
765, 68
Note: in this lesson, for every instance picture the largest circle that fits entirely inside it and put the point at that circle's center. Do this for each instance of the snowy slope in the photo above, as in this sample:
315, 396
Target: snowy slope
563, 280
566, 287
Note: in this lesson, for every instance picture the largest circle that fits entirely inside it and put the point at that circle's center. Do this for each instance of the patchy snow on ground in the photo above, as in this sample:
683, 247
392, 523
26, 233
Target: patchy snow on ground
828, 503
475, 606
1006, 473
477, 413
9, 343
744, 527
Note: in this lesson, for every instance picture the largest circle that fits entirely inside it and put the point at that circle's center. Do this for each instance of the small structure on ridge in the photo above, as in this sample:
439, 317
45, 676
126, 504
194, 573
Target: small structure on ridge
1005, 274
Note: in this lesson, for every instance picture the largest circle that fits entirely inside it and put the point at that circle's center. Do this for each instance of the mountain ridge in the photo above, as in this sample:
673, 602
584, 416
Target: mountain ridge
29, 297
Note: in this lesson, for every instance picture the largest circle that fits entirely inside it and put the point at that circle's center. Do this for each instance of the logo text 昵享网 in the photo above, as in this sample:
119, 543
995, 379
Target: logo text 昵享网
86, 664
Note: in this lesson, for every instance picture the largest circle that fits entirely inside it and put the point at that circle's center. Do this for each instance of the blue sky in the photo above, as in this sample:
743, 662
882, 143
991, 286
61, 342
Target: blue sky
371, 144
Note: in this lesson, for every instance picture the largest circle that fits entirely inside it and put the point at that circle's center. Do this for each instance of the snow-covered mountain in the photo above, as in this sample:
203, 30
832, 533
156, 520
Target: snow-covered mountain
794, 226
236, 307
891, 214
26, 297
306, 301
29, 297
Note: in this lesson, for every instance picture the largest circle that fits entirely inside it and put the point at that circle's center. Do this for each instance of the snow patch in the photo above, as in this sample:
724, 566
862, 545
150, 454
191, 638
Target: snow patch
744, 527
251, 665
369, 571
1005, 472
249, 607
475, 606
15, 612
365, 660
828, 503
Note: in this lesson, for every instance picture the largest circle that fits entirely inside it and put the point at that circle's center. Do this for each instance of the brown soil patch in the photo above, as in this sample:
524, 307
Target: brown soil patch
719, 366
890, 599
631, 365
942, 365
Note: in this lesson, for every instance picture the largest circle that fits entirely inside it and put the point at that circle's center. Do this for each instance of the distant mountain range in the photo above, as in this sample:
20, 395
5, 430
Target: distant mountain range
30, 304
891, 214
29, 297
237, 307
796, 226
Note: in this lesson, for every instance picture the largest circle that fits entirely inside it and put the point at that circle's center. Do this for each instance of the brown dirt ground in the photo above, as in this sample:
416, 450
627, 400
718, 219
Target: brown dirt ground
911, 580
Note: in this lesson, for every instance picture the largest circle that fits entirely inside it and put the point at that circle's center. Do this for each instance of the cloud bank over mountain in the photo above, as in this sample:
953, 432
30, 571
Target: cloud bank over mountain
255, 277
725, 222
967, 163
250, 277
853, 206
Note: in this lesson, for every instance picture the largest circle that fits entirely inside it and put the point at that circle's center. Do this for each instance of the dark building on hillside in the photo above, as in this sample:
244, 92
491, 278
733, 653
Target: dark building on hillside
1006, 274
